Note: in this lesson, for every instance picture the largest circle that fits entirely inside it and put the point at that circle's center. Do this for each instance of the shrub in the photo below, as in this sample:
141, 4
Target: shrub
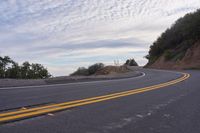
81, 71
94, 68
168, 55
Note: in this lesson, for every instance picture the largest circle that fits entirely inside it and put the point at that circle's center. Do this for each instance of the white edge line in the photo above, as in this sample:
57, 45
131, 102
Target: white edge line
21, 87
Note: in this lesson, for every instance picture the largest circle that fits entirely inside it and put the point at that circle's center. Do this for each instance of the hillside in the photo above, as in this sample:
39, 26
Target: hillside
179, 46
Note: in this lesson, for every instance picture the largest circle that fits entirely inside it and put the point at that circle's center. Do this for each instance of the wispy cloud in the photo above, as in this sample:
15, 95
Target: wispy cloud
71, 33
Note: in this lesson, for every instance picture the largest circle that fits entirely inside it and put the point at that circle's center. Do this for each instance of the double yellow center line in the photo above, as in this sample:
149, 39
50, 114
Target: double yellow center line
36, 111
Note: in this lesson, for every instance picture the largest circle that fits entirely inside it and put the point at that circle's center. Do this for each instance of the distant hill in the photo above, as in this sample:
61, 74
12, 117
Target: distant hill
179, 46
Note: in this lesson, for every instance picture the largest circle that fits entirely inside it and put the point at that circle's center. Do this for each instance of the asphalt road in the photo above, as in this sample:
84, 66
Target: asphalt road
171, 109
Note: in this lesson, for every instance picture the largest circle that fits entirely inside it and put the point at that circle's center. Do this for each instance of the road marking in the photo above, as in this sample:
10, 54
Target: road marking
50, 114
77, 83
23, 108
36, 111
67, 103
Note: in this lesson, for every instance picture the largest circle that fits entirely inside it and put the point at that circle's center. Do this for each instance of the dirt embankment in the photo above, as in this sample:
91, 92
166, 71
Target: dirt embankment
191, 60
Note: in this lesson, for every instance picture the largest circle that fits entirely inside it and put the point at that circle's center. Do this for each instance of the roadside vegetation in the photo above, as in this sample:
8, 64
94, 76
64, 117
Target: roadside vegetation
101, 69
131, 62
82, 71
11, 69
174, 42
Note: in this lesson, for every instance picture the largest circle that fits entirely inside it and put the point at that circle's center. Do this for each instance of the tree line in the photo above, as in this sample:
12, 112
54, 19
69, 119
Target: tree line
11, 69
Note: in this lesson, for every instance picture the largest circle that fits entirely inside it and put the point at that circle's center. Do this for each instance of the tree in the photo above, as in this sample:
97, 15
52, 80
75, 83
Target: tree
25, 69
127, 62
131, 62
11, 69
38, 71
4, 61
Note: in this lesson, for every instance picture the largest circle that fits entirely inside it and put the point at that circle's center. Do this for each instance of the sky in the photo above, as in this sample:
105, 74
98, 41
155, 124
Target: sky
66, 34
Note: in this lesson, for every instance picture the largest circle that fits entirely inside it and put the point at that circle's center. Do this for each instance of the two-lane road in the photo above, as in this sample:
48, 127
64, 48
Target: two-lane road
170, 104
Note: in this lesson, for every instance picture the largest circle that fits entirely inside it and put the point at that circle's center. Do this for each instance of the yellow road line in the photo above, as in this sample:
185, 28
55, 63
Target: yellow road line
76, 101
4, 117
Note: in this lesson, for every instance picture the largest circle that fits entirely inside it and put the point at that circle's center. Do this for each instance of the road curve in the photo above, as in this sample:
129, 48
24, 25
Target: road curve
126, 110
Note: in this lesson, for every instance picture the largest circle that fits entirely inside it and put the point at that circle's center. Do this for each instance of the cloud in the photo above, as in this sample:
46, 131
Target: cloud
58, 33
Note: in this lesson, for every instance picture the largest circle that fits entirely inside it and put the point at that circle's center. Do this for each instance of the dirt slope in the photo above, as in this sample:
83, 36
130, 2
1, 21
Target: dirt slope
191, 60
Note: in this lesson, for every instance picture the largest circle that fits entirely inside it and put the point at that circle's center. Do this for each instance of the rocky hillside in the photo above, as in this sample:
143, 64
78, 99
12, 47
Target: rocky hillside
179, 46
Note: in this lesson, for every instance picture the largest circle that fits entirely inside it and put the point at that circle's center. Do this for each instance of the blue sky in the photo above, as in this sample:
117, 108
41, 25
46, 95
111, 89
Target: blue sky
66, 34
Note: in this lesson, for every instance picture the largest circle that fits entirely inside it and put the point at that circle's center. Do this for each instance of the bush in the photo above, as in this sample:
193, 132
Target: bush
94, 68
169, 55
82, 71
